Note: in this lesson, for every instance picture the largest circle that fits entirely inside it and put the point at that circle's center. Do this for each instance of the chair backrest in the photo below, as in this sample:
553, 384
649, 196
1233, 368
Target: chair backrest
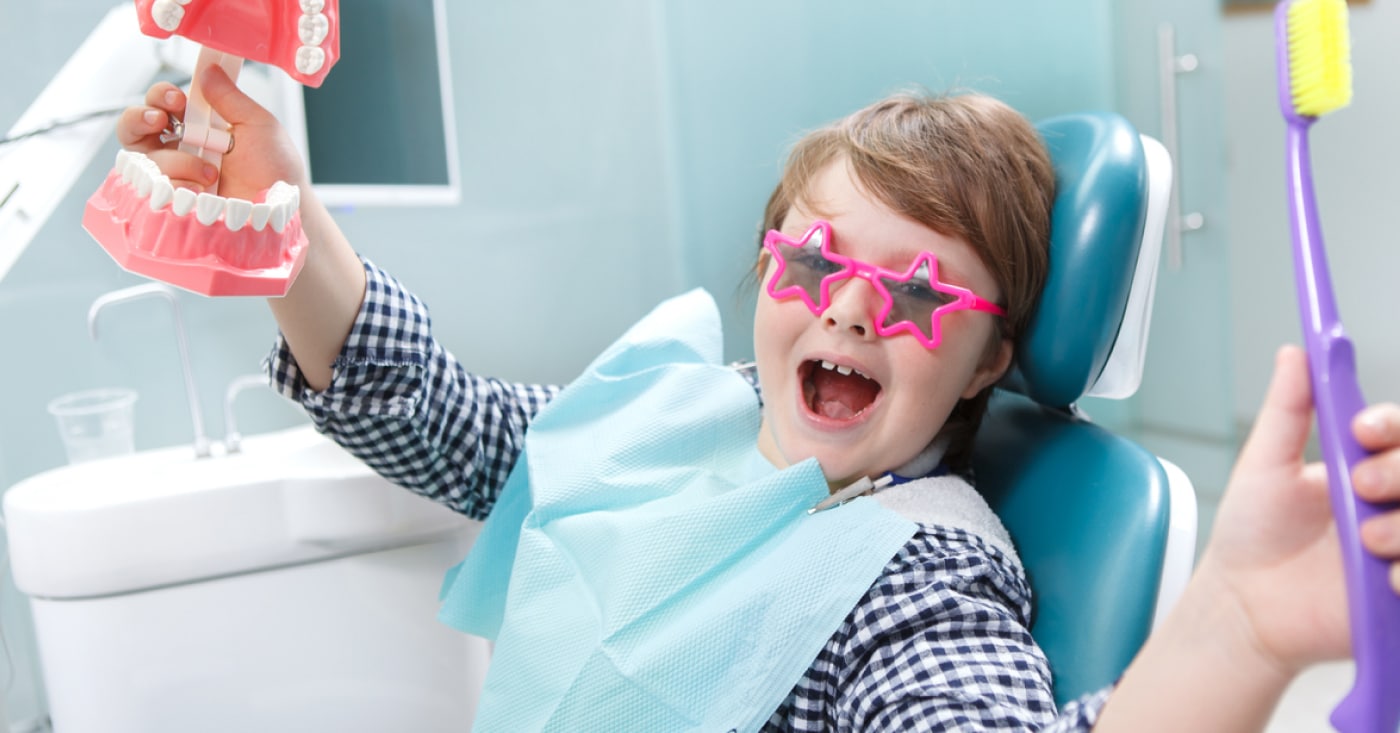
1089, 511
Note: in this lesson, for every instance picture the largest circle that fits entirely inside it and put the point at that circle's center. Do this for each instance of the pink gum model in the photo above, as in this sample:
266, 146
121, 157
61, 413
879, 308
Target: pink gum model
301, 37
204, 243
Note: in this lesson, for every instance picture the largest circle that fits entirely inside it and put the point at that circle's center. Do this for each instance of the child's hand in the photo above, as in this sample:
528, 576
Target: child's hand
1275, 547
262, 155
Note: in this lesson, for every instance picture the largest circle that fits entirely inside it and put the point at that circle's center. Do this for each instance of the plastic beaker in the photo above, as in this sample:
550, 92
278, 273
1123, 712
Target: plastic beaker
95, 423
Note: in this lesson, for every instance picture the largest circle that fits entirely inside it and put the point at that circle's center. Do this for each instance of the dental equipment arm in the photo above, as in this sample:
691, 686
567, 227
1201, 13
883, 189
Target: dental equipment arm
112, 67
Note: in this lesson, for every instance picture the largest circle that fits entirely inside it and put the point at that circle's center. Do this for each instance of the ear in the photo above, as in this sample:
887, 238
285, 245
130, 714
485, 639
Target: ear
997, 361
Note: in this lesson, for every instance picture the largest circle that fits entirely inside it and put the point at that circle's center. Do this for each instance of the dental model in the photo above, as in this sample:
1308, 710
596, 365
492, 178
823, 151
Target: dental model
200, 242
204, 242
300, 37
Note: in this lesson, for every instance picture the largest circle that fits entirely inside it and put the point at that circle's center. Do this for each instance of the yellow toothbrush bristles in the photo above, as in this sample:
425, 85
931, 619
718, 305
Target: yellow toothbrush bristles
1319, 56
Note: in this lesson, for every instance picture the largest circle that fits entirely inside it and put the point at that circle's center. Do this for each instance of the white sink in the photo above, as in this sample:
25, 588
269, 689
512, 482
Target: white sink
163, 517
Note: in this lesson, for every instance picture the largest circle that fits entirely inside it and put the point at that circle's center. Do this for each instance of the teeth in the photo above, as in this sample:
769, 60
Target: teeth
146, 174
312, 6
161, 193
313, 28
123, 156
843, 370
207, 208
281, 203
310, 59
131, 170
261, 213
236, 213
279, 217
183, 201
167, 14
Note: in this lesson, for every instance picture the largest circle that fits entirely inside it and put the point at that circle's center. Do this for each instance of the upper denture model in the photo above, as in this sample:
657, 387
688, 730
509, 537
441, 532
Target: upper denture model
203, 242
301, 37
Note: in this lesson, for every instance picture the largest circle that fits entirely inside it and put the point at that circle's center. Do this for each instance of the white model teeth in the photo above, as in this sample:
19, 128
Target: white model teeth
283, 198
261, 213
132, 167
162, 193
167, 14
313, 29
236, 213
207, 208
144, 176
310, 59
182, 202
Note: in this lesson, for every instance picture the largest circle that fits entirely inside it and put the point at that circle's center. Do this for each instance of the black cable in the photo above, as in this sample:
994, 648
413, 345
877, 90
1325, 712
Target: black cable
59, 124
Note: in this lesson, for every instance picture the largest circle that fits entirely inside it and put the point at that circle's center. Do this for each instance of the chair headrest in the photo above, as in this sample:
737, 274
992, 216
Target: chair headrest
1098, 225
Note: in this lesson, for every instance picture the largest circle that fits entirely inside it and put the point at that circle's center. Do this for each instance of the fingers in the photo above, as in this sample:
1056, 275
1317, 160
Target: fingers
139, 128
225, 97
184, 169
1377, 479
1285, 419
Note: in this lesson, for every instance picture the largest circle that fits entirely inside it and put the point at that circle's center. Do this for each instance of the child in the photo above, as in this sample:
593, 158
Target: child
938, 202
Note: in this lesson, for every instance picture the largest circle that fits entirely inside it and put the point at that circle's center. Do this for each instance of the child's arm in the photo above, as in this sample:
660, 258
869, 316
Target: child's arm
1267, 599
406, 407
399, 401
318, 311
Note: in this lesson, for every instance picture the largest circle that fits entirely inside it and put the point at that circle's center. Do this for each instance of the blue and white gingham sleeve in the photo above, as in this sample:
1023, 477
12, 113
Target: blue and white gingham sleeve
939, 642
405, 406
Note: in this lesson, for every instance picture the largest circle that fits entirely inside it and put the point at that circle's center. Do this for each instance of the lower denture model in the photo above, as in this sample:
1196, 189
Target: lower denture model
204, 242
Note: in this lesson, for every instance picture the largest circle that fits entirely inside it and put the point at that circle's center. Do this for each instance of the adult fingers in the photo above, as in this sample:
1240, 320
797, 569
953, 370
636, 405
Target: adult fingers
1281, 429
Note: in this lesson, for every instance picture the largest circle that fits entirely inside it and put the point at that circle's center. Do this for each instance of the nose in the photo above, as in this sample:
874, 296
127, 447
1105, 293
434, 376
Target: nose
854, 303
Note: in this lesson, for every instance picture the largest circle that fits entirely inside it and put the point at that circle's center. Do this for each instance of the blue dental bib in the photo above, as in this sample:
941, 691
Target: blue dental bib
644, 567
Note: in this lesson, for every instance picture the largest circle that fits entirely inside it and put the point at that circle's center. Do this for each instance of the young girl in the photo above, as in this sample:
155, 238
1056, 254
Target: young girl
936, 205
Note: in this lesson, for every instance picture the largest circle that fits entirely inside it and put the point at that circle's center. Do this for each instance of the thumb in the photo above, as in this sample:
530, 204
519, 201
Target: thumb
1281, 429
228, 100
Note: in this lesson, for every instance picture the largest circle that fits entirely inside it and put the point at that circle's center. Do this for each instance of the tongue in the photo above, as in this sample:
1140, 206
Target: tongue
841, 397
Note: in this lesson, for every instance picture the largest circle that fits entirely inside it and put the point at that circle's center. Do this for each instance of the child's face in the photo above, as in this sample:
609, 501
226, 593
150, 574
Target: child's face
864, 426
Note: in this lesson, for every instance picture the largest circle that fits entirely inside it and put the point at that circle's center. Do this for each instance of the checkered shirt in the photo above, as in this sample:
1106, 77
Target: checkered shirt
939, 642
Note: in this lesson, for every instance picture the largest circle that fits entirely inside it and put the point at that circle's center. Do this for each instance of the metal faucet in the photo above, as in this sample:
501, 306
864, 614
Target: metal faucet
233, 440
201, 442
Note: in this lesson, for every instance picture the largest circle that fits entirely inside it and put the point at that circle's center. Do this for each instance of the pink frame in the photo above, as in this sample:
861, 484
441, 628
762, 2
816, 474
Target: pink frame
965, 299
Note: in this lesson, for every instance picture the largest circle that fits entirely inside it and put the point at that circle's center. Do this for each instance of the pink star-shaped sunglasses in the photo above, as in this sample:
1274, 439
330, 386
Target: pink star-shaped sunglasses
913, 300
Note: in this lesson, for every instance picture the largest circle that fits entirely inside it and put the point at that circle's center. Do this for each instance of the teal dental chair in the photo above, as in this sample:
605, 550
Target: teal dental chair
1106, 530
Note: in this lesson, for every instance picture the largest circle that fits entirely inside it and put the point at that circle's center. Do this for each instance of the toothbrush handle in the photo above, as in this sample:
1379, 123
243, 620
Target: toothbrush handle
1373, 705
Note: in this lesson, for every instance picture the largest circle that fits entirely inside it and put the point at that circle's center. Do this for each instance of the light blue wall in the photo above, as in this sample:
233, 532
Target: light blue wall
745, 79
612, 154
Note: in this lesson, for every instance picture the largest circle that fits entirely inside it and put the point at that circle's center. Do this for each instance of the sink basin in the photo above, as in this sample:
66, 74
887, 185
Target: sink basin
164, 517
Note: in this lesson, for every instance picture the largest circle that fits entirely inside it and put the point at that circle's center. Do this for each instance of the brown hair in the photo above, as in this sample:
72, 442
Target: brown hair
966, 166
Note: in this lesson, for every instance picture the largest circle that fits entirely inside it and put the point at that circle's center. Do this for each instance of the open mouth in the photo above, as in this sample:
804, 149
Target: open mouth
835, 391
